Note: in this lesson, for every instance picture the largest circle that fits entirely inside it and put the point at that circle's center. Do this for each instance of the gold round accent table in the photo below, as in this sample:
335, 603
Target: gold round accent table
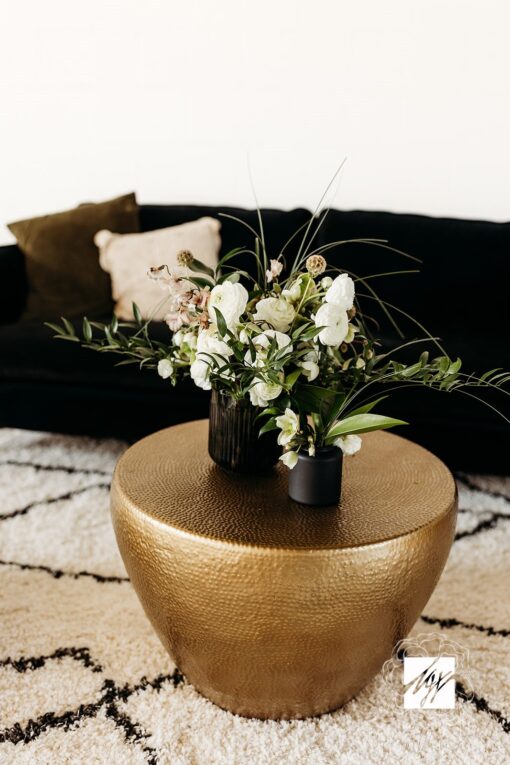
270, 608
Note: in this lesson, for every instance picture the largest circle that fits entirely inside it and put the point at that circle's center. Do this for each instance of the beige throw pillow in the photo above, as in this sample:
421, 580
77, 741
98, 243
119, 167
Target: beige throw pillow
128, 257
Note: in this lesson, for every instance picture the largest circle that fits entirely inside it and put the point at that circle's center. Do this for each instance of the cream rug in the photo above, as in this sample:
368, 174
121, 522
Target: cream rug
83, 679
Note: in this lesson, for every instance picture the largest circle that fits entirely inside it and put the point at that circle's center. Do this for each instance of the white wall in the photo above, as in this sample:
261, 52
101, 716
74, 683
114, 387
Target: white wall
168, 98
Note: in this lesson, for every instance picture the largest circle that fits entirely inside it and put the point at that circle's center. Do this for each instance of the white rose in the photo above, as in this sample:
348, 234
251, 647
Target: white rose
165, 368
309, 365
289, 426
208, 344
348, 444
290, 459
341, 292
230, 299
335, 322
261, 393
275, 311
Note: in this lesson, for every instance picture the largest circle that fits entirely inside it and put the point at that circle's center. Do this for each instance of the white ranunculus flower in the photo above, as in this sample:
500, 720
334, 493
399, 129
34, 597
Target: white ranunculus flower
275, 311
177, 338
290, 459
183, 337
289, 426
208, 344
348, 444
189, 339
199, 372
335, 322
230, 299
341, 292
293, 293
263, 339
165, 368
309, 365
261, 393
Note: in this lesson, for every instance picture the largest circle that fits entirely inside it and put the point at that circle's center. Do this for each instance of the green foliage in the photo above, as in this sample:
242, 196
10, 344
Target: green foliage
361, 423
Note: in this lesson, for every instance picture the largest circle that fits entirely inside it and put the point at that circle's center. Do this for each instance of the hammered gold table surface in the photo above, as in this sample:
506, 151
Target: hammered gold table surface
271, 608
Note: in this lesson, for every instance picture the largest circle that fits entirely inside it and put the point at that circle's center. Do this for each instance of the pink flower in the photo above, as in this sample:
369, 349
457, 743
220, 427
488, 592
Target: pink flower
201, 298
275, 269
174, 320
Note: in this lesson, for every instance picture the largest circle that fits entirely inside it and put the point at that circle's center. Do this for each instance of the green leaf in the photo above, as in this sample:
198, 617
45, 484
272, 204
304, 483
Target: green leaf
68, 326
483, 378
455, 367
87, 330
270, 425
220, 321
444, 364
197, 265
137, 315
313, 398
311, 333
366, 407
411, 370
126, 362
109, 337
56, 328
270, 410
200, 282
291, 379
233, 277
362, 423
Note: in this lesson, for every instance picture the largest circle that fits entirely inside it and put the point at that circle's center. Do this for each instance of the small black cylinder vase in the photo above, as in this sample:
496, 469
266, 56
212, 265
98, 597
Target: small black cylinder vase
317, 480
234, 442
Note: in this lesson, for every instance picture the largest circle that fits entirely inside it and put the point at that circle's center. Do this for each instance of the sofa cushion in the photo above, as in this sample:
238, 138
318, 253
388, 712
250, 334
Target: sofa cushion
128, 258
62, 261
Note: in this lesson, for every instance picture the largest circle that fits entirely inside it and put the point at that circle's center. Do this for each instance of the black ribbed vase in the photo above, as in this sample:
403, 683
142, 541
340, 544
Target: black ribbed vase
317, 480
234, 443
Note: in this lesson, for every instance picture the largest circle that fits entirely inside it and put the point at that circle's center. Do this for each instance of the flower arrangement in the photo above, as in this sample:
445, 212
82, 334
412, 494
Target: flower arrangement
292, 339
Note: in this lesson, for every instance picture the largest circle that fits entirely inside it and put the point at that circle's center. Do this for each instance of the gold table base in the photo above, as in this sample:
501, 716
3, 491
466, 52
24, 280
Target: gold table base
270, 608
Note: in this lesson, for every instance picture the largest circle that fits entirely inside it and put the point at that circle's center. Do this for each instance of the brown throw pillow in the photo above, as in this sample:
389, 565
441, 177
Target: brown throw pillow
62, 261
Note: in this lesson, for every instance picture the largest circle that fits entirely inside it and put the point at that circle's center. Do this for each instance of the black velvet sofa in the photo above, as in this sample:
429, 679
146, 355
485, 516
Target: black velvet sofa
460, 295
